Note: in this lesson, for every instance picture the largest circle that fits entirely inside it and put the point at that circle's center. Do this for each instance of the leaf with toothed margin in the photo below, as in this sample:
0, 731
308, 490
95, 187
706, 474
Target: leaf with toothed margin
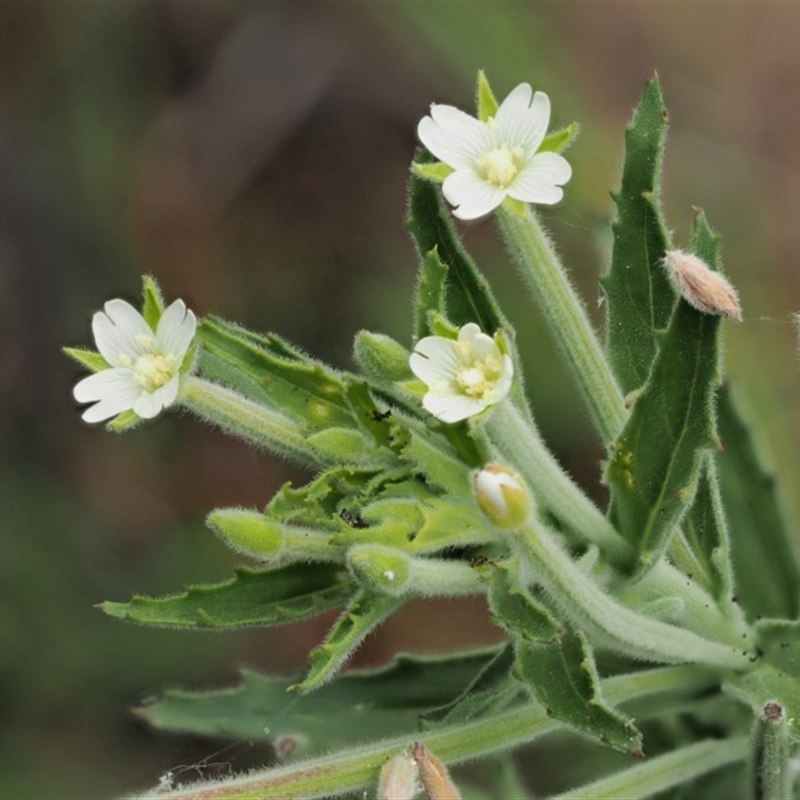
763, 540
252, 597
361, 705
562, 677
777, 675
305, 390
363, 614
639, 293
656, 460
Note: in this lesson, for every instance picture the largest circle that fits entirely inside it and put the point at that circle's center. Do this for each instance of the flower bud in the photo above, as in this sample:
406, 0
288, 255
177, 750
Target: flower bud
701, 287
381, 357
398, 779
249, 532
380, 568
502, 497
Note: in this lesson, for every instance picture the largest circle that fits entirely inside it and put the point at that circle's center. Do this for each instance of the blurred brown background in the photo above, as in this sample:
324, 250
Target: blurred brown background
253, 157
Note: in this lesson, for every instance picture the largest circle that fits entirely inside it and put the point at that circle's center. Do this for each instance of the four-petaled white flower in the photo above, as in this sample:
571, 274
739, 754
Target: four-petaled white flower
496, 158
464, 376
145, 365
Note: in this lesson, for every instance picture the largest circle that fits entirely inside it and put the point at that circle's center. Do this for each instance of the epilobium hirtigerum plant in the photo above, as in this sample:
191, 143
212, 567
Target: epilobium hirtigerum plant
661, 632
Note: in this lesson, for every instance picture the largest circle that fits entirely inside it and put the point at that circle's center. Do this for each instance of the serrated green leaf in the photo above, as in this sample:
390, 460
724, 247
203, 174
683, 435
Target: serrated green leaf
492, 690
777, 676
430, 293
252, 597
306, 391
360, 705
558, 141
363, 614
706, 530
640, 296
486, 102
87, 358
562, 676
763, 542
153, 302
515, 610
655, 463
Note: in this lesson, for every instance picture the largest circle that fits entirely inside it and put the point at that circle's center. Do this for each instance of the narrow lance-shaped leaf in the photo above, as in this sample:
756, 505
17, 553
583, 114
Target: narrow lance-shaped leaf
655, 463
556, 663
361, 705
252, 597
363, 614
764, 543
777, 676
640, 296
307, 391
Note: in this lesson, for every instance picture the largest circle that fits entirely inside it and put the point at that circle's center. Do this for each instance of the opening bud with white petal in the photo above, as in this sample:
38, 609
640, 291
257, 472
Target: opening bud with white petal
502, 496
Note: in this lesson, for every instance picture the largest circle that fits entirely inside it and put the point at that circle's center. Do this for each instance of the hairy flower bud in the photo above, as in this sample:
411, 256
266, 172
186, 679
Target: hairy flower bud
502, 497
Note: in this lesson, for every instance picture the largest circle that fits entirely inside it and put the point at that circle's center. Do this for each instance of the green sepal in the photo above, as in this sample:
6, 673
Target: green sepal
90, 359
153, 302
363, 614
558, 141
763, 542
252, 597
493, 689
381, 358
562, 676
307, 391
639, 293
435, 172
124, 422
655, 463
361, 705
485, 100
777, 676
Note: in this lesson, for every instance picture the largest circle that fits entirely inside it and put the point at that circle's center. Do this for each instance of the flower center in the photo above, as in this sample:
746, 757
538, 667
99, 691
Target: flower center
475, 377
501, 165
152, 370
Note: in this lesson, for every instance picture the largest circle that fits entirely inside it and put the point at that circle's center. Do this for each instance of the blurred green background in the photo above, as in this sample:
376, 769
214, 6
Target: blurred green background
253, 157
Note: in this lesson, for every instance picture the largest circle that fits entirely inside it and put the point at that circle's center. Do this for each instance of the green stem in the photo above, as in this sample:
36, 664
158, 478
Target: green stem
247, 420
520, 443
355, 769
545, 276
611, 623
770, 748
662, 772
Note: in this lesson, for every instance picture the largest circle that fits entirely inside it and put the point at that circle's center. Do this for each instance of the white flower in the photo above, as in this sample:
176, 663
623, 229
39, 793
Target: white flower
496, 158
145, 364
464, 376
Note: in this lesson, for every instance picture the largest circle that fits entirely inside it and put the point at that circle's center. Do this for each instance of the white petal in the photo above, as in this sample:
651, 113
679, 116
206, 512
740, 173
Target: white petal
521, 122
453, 136
117, 330
175, 331
472, 196
434, 360
151, 404
452, 407
113, 390
541, 179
